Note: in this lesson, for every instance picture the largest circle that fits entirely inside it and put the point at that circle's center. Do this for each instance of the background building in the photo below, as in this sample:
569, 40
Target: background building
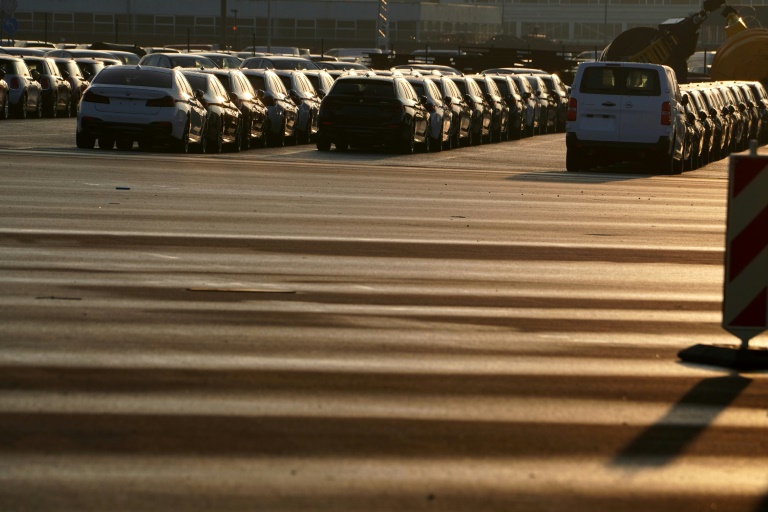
405, 25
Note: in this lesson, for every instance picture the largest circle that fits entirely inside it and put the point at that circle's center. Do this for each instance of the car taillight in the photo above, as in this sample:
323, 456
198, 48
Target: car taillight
45, 82
92, 97
165, 101
15, 83
572, 109
666, 114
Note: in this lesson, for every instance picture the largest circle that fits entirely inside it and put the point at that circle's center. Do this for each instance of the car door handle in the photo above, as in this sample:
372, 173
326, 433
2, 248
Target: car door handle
609, 104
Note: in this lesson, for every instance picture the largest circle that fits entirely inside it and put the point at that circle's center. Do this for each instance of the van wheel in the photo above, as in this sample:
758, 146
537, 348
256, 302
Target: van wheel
573, 160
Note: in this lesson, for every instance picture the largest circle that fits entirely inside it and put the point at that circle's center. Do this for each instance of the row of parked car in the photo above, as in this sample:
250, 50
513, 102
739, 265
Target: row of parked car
274, 100
722, 117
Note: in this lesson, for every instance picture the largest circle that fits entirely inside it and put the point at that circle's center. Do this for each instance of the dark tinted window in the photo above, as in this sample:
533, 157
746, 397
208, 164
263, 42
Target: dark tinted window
620, 80
197, 82
134, 77
224, 79
380, 88
257, 82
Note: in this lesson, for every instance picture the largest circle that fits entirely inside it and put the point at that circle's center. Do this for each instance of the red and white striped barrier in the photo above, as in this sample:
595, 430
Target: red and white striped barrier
745, 296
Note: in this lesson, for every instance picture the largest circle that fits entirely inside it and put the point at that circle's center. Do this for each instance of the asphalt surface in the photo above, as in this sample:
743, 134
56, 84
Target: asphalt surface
289, 330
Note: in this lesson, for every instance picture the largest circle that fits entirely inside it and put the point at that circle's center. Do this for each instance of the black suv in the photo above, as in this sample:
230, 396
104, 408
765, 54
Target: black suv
366, 110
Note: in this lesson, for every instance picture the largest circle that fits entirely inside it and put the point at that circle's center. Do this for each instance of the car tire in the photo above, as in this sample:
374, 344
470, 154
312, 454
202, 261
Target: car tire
277, 140
21, 108
124, 144
50, 109
84, 141
216, 144
408, 144
341, 145
6, 111
436, 145
182, 145
245, 138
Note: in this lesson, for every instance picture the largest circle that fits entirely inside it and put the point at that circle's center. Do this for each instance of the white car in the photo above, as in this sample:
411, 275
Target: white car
154, 106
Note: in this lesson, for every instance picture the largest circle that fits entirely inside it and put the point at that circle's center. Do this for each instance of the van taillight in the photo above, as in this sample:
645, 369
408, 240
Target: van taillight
571, 114
666, 114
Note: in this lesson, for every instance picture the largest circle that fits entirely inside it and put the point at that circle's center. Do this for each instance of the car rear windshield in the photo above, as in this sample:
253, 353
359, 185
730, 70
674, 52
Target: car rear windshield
376, 88
129, 75
620, 80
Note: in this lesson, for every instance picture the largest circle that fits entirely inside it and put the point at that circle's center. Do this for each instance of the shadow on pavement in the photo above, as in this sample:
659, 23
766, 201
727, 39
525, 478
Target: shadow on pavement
661, 443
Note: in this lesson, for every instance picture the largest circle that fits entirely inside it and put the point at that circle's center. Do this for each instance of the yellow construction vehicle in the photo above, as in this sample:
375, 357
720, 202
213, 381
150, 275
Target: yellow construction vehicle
671, 44
744, 55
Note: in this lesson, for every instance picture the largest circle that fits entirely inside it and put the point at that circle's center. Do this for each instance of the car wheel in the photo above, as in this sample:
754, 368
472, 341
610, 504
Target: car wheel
342, 145
73, 106
106, 143
124, 144
66, 112
84, 141
6, 112
408, 144
49, 110
21, 108
436, 145
238, 141
277, 140
182, 145
304, 135
216, 144
245, 138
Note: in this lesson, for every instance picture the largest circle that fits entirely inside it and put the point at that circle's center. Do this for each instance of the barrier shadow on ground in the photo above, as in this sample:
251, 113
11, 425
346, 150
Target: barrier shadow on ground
685, 421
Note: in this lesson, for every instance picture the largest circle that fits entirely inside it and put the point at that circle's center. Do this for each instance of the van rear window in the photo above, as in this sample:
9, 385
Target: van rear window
623, 81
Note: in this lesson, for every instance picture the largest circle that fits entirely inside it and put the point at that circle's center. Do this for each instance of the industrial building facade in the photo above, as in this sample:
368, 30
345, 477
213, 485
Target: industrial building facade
402, 25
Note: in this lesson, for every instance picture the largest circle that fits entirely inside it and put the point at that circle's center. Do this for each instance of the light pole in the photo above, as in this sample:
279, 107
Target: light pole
236, 45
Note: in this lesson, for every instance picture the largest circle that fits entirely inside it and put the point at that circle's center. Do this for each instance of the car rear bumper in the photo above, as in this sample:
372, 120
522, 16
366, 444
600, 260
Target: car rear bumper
156, 131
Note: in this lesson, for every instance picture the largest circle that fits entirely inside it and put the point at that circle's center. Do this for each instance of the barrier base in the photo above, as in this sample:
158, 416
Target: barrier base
726, 356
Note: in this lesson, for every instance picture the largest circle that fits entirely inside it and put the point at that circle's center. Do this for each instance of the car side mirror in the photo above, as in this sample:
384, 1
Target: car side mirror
691, 117
685, 101
2, 74
702, 115
35, 75
65, 74
233, 97
423, 100
260, 93
713, 112
731, 109
199, 94
742, 107
86, 74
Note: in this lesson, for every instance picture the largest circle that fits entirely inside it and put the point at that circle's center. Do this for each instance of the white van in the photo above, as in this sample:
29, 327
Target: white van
625, 111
